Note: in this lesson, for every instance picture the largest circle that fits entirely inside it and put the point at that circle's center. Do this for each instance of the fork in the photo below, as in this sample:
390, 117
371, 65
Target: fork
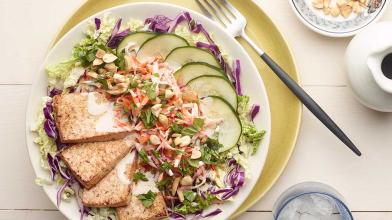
227, 15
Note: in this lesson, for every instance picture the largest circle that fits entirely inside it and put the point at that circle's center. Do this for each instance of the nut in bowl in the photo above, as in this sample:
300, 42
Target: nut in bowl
338, 18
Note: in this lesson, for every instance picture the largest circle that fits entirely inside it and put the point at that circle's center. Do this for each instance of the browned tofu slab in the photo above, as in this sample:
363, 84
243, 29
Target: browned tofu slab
86, 117
111, 191
90, 162
136, 211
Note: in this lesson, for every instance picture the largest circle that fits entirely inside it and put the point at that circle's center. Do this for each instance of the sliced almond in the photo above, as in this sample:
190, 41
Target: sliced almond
100, 53
327, 11
196, 154
111, 67
92, 74
346, 10
186, 181
163, 120
319, 4
97, 62
335, 11
327, 3
357, 7
180, 195
341, 2
109, 58
175, 184
154, 140
118, 78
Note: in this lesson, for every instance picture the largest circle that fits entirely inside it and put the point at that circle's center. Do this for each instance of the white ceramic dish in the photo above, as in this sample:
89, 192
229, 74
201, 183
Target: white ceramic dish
363, 64
252, 86
330, 26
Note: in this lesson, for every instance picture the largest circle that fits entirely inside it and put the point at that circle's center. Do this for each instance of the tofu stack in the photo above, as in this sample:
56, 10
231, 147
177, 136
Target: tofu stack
100, 155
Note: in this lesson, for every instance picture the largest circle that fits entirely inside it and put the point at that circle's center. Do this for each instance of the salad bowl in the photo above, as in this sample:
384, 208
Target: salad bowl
252, 86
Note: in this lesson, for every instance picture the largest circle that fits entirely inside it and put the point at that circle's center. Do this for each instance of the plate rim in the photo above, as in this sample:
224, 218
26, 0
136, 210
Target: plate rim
294, 141
342, 34
57, 39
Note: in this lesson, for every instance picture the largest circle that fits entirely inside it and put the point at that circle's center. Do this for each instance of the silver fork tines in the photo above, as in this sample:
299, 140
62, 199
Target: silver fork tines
224, 13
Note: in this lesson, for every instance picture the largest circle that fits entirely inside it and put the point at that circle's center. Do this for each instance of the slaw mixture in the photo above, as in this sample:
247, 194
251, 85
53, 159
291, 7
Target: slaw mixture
174, 139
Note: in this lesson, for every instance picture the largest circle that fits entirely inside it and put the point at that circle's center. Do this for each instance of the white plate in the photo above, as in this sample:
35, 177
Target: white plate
334, 27
251, 81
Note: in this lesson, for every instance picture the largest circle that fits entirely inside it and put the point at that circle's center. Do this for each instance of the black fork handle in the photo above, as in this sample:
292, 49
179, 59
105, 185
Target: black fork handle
309, 103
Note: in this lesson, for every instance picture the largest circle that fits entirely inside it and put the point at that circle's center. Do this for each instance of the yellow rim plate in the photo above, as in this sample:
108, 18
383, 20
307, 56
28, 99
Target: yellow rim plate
285, 108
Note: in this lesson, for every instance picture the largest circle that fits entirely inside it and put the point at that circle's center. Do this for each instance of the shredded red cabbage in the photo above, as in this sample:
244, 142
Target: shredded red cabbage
49, 125
185, 16
54, 91
158, 23
60, 192
116, 37
236, 73
97, 22
54, 164
254, 111
176, 215
51, 166
234, 180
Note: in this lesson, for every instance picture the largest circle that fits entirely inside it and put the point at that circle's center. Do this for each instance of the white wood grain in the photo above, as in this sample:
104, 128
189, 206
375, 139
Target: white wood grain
28, 27
52, 214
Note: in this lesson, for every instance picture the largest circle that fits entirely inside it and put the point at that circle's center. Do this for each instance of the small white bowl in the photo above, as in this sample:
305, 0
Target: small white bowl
331, 26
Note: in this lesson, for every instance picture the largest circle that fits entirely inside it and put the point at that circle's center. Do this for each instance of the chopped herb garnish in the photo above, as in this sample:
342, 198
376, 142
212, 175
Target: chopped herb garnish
157, 154
197, 125
210, 152
166, 166
120, 61
193, 163
175, 128
162, 185
190, 196
143, 154
150, 91
139, 176
148, 118
133, 82
184, 170
199, 203
179, 115
147, 199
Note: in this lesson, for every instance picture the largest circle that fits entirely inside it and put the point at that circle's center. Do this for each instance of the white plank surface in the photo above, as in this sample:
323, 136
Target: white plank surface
365, 182
53, 214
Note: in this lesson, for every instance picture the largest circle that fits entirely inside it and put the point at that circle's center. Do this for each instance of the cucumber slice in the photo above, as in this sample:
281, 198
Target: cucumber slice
193, 70
214, 86
230, 130
138, 38
182, 55
160, 45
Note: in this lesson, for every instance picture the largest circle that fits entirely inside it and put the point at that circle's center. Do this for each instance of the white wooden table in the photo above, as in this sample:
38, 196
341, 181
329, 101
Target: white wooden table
27, 28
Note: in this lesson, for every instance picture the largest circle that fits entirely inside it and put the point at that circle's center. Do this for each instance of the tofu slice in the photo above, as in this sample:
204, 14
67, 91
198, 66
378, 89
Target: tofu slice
115, 188
86, 117
90, 162
136, 211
